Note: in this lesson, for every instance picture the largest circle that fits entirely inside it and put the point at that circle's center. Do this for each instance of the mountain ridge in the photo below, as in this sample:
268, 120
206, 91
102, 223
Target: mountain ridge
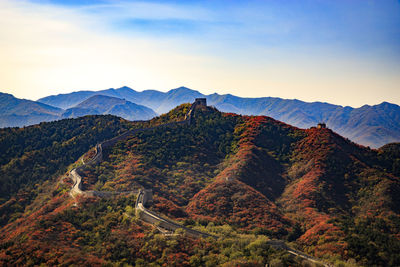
15, 112
101, 104
373, 126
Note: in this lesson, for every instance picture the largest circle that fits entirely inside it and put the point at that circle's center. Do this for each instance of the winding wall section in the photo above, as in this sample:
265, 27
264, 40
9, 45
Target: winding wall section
153, 218
97, 158
143, 195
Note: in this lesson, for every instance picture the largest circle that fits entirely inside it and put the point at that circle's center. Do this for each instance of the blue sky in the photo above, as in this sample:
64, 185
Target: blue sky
353, 24
344, 52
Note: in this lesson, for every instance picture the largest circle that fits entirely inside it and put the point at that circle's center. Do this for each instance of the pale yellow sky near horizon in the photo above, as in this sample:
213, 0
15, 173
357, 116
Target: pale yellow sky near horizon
46, 50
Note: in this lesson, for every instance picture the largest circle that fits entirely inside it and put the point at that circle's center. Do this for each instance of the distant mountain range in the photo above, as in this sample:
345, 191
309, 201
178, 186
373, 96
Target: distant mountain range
19, 112
160, 102
101, 104
16, 112
368, 125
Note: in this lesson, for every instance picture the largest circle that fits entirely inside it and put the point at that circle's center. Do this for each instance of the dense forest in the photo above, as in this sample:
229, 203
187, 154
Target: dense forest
39, 153
244, 179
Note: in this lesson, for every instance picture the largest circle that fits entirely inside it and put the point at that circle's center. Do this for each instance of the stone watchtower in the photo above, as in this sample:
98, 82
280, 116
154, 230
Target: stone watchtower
321, 125
200, 102
147, 196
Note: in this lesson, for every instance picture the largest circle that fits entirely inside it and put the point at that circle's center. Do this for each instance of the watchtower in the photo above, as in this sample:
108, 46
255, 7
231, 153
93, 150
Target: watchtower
200, 102
147, 196
321, 125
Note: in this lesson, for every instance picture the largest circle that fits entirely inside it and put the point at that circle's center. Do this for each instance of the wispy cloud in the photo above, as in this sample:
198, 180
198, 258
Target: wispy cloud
117, 10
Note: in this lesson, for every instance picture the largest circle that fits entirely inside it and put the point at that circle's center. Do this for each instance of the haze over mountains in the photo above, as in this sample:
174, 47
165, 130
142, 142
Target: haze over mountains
160, 102
368, 125
101, 104
20, 112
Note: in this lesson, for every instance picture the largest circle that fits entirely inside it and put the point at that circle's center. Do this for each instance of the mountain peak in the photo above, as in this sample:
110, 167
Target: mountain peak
103, 104
183, 89
98, 99
125, 88
387, 104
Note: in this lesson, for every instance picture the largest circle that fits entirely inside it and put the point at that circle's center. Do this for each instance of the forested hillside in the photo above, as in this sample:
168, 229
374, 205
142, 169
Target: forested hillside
243, 179
33, 155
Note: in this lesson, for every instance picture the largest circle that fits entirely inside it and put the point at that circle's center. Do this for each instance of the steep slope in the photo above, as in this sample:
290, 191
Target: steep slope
20, 112
233, 196
372, 126
389, 157
100, 104
335, 188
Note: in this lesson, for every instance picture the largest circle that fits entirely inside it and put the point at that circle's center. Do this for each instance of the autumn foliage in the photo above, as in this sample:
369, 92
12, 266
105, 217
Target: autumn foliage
243, 178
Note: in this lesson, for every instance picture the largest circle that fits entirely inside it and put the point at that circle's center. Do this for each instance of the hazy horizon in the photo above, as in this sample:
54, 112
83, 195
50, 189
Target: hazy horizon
166, 90
345, 53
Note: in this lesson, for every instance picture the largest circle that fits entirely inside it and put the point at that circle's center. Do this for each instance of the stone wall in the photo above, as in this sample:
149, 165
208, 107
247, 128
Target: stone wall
164, 223
145, 196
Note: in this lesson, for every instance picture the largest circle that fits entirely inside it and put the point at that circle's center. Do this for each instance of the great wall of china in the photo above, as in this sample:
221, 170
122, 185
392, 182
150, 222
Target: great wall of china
144, 196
